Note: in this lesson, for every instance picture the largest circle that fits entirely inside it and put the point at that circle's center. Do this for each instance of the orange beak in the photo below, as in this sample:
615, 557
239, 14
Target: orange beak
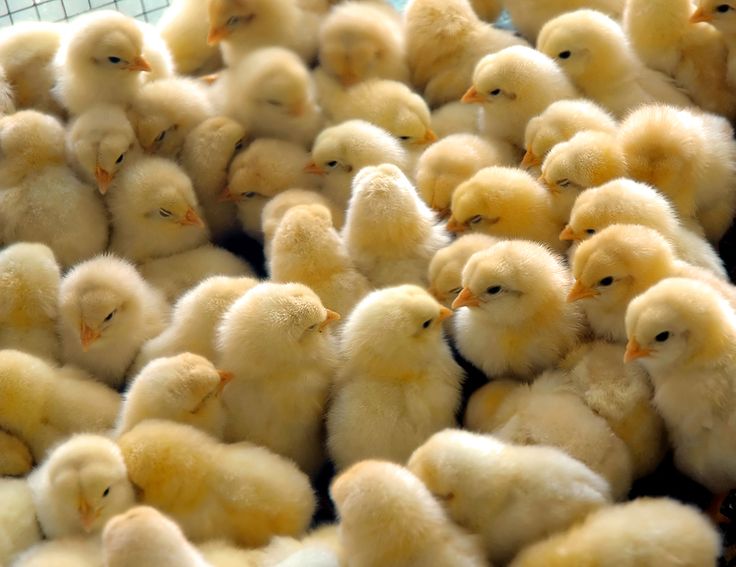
454, 226
216, 35
225, 377
104, 178
138, 64
634, 351
297, 109
700, 16
348, 79
445, 313
331, 316
87, 514
579, 291
530, 160
191, 218
88, 336
465, 299
315, 169
429, 137
210, 79
472, 95
569, 234
227, 195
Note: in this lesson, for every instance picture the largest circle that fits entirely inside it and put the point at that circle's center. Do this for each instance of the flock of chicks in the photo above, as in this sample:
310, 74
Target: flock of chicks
592, 174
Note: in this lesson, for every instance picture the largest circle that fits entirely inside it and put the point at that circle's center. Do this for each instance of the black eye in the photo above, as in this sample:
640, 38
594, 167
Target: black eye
456, 290
494, 290
404, 138
164, 213
109, 317
107, 491
606, 281
590, 231
662, 337
723, 8
495, 92
427, 323
160, 137
120, 159
231, 21
564, 54
331, 164
114, 59
249, 194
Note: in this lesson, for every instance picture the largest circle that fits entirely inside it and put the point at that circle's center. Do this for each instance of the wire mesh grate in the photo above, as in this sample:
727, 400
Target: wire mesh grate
14, 11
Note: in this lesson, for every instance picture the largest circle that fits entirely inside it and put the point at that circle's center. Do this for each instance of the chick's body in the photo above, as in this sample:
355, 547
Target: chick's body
184, 26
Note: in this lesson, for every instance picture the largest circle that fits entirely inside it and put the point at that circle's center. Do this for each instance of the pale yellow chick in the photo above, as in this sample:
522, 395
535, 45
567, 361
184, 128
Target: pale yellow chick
720, 15
488, 10
18, 519
184, 26
15, 460
63, 552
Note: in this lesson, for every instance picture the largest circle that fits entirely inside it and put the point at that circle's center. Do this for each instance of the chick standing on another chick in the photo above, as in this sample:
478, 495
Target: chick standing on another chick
388, 517
398, 383
518, 322
595, 53
107, 311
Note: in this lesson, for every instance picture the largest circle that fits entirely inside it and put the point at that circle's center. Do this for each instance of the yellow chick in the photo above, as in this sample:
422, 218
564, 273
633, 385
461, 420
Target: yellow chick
270, 92
444, 41
194, 320
505, 202
206, 155
184, 26
18, 519
278, 395
7, 104
15, 460
452, 160
307, 249
594, 52
266, 168
29, 291
184, 388
695, 56
41, 200
63, 552
487, 10
154, 211
398, 383
514, 85
106, 312
647, 531
80, 485
685, 337
688, 156
339, 152
388, 517
623, 201
719, 15
100, 142
457, 118
621, 262
517, 322
163, 113
474, 477
239, 492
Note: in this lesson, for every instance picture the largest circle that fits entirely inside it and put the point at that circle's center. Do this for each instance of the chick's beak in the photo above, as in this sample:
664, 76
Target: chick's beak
580, 291
225, 377
138, 64
568, 233
191, 218
87, 514
331, 316
226, 196
472, 95
429, 137
88, 336
700, 16
634, 351
445, 313
348, 79
454, 226
217, 34
312, 167
529, 159
297, 109
104, 178
465, 299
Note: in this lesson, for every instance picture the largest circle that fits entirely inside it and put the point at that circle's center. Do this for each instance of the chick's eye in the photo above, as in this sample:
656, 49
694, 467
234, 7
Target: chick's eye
164, 213
239, 145
106, 492
232, 20
662, 337
606, 281
476, 219
249, 195
590, 231
120, 159
723, 8
274, 102
160, 137
110, 316
564, 54
331, 164
427, 323
563, 182
456, 290
113, 59
404, 138
495, 92
494, 290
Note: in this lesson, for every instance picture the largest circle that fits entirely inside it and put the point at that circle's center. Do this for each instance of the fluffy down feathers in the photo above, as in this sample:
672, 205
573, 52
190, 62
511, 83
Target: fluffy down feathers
18, 519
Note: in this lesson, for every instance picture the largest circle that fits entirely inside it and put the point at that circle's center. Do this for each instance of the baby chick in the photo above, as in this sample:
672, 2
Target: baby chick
388, 517
444, 41
15, 460
688, 156
505, 202
518, 322
456, 118
647, 531
339, 152
514, 85
81, 484
594, 52
107, 311
154, 211
63, 552
398, 378
278, 396
685, 337
17, 518
720, 16
496, 489
307, 249
184, 26
29, 290
240, 492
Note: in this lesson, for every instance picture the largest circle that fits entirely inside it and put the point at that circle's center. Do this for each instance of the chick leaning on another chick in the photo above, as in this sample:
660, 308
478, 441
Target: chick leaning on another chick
389, 232
495, 489
398, 383
212, 490
388, 517
184, 27
106, 312
514, 85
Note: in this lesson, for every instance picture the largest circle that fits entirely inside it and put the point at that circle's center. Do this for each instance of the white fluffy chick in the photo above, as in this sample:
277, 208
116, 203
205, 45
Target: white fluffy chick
206, 155
444, 41
63, 552
388, 517
41, 200
496, 489
212, 490
514, 85
81, 484
154, 211
264, 169
107, 311
454, 159
594, 52
270, 92
278, 396
685, 337
646, 531
163, 112
307, 249
100, 141
29, 291
194, 320
506, 202
184, 27
688, 156
559, 122
17, 519
398, 379
389, 232
341, 151
518, 322
144, 537
721, 16
184, 388
623, 201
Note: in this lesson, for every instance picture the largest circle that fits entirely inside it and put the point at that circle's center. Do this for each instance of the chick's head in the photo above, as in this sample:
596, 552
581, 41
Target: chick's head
29, 284
29, 140
721, 14
246, 19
